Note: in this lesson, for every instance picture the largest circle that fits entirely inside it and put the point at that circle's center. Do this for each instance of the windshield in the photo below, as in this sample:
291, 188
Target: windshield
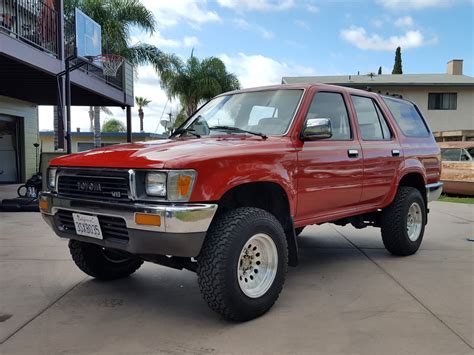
267, 112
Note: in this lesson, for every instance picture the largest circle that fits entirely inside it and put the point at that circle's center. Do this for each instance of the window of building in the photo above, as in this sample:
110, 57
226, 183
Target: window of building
442, 101
331, 105
371, 121
407, 117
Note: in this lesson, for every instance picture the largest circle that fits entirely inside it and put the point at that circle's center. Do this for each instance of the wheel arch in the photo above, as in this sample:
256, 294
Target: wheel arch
269, 196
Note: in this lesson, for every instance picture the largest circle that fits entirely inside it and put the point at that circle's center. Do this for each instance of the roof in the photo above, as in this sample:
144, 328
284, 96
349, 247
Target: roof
385, 80
108, 134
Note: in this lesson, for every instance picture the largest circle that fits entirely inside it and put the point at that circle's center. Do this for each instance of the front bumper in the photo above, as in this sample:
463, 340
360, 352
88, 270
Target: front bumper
433, 191
181, 232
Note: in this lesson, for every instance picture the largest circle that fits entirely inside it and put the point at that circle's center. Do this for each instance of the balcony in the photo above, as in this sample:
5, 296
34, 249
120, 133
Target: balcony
32, 21
36, 24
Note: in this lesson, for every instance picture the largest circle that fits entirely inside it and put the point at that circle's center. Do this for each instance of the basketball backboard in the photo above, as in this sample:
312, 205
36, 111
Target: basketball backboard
88, 36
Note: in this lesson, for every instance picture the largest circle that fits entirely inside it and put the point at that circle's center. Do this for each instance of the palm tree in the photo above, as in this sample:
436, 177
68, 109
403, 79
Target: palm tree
196, 80
141, 103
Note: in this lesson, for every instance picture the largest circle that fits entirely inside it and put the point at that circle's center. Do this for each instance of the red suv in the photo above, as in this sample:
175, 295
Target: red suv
229, 192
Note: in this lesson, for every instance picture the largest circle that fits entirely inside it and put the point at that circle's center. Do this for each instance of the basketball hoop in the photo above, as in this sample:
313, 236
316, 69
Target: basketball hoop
110, 63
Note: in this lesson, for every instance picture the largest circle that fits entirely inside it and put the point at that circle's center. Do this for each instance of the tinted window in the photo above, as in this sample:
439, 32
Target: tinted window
371, 122
442, 101
450, 154
331, 105
407, 117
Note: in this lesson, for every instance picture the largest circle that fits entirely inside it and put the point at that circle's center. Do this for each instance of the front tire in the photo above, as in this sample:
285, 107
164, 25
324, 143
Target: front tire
403, 222
243, 263
101, 263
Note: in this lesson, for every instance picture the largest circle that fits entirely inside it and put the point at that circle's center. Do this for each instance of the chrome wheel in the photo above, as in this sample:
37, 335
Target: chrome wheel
414, 221
257, 266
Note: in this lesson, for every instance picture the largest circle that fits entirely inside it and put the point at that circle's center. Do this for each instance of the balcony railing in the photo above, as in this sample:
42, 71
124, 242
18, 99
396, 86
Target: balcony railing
32, 21
36, 23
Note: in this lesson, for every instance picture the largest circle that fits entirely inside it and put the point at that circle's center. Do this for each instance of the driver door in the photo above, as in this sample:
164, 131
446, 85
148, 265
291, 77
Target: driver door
330, 171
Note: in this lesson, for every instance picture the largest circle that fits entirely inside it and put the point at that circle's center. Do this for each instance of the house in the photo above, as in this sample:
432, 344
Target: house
35, 39
82, 141
446, 100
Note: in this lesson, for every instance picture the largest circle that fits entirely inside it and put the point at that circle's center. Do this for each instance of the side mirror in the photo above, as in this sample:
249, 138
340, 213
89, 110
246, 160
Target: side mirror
317, 128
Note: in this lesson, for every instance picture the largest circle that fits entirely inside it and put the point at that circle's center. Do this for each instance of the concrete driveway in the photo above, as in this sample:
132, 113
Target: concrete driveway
347, 296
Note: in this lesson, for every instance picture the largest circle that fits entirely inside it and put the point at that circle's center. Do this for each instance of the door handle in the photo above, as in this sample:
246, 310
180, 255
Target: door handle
395, 153
352, 153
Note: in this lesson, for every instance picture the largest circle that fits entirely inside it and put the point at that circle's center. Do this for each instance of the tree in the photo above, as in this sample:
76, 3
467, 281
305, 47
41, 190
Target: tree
141, 103
195, 80
380, 71
397, 66
180, 118
113, 125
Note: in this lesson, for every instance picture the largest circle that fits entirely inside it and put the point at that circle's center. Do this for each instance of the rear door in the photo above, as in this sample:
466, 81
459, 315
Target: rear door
329, 170
380, 147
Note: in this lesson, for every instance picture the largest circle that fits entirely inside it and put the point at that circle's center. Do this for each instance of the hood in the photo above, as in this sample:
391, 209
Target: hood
167, 152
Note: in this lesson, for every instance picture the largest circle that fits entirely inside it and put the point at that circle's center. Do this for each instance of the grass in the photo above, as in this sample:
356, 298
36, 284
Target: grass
456, 199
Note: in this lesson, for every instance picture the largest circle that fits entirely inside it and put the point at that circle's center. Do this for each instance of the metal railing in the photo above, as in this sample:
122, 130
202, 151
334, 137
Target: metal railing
32, 21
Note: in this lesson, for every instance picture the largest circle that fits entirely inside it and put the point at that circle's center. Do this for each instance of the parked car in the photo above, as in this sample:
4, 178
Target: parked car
457, 171
228, 193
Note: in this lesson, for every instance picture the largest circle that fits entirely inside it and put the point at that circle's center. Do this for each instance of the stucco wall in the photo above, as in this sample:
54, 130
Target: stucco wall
441, 120
28, 114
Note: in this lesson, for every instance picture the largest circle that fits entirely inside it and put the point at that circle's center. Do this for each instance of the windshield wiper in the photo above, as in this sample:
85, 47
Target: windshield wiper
239, 130
185, 130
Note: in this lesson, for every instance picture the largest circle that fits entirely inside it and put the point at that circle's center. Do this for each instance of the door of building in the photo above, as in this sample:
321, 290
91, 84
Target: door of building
9, 150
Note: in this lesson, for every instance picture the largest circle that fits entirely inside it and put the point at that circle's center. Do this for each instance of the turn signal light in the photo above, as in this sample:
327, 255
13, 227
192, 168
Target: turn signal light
148, 219
184, 183
43, 205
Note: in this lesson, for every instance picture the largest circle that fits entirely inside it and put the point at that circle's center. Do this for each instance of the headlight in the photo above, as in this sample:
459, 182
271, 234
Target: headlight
52, 178
174, 185
155, 184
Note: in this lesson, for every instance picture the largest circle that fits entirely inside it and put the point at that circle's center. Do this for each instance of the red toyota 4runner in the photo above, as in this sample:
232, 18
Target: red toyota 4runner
228, 193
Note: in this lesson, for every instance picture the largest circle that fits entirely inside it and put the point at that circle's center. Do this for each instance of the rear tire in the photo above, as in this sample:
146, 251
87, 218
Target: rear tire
101, 263
243, 263
403, 222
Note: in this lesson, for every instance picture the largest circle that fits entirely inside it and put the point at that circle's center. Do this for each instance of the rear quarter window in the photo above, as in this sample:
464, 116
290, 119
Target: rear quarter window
407, 117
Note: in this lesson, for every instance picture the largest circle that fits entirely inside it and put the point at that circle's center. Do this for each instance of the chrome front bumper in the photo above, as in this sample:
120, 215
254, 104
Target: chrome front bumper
181, 232
433, 191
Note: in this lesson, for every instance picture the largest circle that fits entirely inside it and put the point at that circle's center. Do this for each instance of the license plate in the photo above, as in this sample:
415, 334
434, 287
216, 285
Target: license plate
87, 226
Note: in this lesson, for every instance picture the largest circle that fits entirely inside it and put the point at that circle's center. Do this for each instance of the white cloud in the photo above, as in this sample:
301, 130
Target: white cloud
302, 24
312, 8
257, 5
377, 23
191, 41
405, 21
170, 13
413, 4
158, 40
243, 24
358, 37
257, 70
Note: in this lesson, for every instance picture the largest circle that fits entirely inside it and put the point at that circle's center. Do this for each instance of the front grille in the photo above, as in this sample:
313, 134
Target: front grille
112, 227
108, 188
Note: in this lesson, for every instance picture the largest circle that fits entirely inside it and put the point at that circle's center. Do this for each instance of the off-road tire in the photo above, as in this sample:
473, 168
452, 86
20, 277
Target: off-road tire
91, 260
394, 222
219, 257
299, 230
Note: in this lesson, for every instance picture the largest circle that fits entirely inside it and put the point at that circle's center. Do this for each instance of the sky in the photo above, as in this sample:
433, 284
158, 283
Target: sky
263, 40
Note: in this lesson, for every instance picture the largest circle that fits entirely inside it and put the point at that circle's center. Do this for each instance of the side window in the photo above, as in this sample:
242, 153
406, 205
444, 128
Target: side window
407, 117
331, 105
450, 154
373, 126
